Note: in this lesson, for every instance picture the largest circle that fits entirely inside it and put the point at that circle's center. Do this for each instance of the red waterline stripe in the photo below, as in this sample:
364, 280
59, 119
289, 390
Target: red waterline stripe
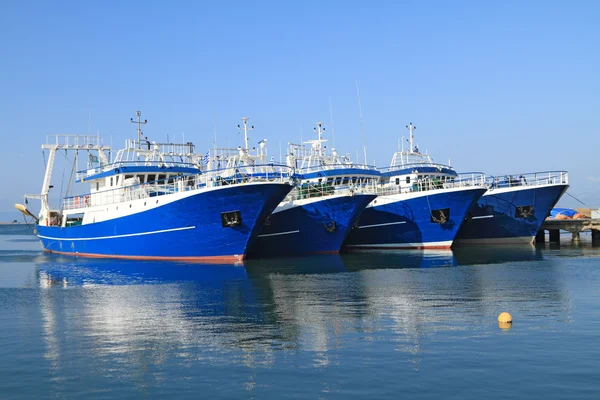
211, 259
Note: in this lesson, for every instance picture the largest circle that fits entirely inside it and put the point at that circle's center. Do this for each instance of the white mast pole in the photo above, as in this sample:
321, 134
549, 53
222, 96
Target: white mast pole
362, 128
319, 133
246, 129
411, 128
215, 142
139, 123
331, 117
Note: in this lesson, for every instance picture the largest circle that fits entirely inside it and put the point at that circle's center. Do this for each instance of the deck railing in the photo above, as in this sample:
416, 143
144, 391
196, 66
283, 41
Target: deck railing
75, 141
316, 190
415, 165
526, 179
433, 183
315, 168
190, 182
123, 164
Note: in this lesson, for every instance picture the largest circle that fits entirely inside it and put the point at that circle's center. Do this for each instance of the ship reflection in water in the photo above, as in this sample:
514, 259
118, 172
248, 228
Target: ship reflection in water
145, 313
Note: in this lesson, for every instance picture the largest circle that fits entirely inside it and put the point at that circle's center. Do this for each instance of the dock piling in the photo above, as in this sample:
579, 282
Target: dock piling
540, 237
595, 237
554, 235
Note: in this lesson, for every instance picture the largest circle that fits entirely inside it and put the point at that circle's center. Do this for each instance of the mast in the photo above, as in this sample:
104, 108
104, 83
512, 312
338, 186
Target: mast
332, 128
139, 123
362, 127
319, 133
246, 129
411, 128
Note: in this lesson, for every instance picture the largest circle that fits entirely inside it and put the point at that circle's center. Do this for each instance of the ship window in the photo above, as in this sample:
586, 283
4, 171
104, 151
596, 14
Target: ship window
338, 181
117, 183
111, 181
162, 177
141, 178
97, 185
151, 178
320, 180
345, 182
329, 181
408, 179
397, 181
128, 177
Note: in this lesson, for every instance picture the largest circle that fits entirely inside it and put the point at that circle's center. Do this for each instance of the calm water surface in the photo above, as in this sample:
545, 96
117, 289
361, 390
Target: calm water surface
376, 325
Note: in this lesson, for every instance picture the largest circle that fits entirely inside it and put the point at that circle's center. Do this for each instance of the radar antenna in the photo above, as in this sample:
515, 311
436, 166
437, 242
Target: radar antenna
246, 129
139, 123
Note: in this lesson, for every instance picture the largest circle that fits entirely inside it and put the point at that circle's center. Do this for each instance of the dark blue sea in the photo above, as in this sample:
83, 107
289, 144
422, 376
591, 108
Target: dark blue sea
378, 325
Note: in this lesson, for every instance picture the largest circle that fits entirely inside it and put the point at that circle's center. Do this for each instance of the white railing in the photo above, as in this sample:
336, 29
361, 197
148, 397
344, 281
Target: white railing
329, 167
526, 179
75, 141
434, 183
159, 164
215, 178
316, 190
307, 191
411, 166
168, 149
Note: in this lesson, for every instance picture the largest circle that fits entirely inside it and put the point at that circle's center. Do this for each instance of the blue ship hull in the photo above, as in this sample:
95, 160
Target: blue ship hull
496, 218
320, 226
407, 222
190, 228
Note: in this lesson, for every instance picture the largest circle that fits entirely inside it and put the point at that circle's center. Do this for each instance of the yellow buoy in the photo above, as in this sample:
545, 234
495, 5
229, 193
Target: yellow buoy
505, 317
504, 325
504, 321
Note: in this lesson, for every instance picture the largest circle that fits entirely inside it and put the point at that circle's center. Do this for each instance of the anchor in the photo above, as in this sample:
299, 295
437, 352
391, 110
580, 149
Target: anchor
443, 218
524, 211
331, 227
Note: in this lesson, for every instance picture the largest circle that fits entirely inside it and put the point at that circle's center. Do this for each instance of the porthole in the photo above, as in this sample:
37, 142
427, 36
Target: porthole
130, 206
156, 201
144, 203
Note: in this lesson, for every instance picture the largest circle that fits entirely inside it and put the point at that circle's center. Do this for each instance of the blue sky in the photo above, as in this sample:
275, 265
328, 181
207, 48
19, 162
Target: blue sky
501, 87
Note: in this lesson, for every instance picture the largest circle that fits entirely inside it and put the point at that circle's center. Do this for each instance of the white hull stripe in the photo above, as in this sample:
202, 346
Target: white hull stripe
386, 224
483, 216
508, 240
119, 236
446, 243
278, 234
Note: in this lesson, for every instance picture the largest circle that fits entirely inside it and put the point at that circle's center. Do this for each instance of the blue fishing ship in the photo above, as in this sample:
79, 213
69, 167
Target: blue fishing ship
156, 201
513, 208
316, 217
420, 204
